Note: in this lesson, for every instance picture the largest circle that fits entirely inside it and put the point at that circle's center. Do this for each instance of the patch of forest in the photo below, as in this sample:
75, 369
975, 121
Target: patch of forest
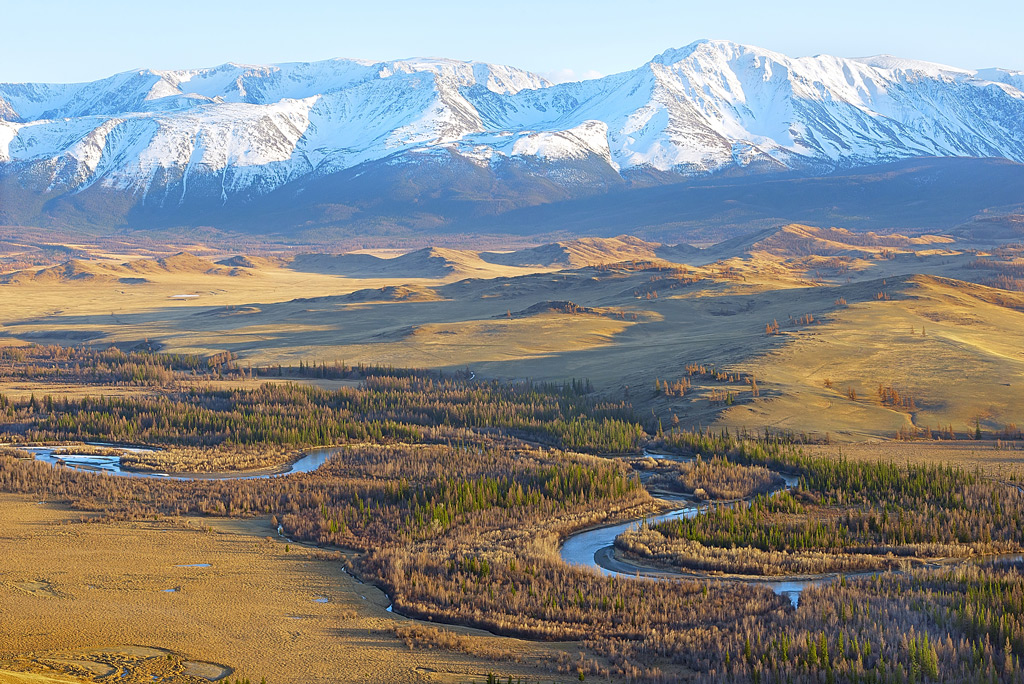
843, 516
459, 494
382, 409
708, 479
110, 366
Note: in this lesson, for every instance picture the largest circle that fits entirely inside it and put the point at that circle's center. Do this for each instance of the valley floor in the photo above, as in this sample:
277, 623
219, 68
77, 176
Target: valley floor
72, 587
848, 336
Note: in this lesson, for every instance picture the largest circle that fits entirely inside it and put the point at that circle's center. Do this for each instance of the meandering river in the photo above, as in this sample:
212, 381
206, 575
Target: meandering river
307, 463
593, 548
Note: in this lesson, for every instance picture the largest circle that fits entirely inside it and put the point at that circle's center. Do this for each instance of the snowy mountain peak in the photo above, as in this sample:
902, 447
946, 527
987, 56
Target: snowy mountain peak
496, 78
238, 131
708, 54
892, 63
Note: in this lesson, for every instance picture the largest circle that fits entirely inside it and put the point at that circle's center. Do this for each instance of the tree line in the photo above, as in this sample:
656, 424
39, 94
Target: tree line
460, 493
382, 409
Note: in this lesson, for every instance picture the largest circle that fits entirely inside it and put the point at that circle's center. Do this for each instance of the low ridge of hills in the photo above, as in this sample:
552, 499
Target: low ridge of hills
793, 241
128, 272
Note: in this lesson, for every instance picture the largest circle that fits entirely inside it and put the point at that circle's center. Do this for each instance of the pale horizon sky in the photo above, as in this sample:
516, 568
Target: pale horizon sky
83, 40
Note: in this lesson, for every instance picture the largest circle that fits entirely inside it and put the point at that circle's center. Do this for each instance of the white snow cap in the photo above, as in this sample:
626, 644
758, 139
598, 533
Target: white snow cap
705, 107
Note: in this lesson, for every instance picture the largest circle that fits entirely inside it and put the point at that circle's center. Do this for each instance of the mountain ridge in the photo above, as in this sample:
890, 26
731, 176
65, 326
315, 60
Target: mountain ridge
142, 145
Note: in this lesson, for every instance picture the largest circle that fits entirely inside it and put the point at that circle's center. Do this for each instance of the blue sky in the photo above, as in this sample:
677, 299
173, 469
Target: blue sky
65, 40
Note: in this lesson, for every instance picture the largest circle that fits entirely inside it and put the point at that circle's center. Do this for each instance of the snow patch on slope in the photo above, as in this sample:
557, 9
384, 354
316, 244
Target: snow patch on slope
706, 107
589, 138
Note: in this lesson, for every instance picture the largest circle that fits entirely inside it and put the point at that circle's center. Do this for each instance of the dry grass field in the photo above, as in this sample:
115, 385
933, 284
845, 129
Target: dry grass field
78, 594
852, 312
16, 389
849, 339
999, 460
944, 343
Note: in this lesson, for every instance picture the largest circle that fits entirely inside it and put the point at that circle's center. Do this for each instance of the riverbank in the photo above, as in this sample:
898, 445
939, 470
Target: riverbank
98, 457
70, 584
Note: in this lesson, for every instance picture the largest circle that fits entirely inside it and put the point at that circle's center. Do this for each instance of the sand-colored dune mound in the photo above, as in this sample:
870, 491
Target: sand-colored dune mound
427, 263
795, 240
955, 291
394, 293
950, 348
422, 263
436, 262
182, 262
254, 262
73, 270
127, 273
355, 265
590, 252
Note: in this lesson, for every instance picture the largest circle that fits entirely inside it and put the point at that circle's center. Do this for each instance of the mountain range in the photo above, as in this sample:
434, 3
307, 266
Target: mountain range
434, 144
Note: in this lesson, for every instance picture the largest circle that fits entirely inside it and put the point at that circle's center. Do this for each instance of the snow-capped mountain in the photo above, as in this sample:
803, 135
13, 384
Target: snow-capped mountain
163, 140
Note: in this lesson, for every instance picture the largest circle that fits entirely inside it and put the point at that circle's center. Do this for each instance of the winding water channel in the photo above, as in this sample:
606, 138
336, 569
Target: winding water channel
593, 548
307, 463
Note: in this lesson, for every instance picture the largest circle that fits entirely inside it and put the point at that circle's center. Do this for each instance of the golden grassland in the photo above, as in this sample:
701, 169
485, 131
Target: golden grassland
71, 586
803, 331
995, 458
941, 342
80, 588
20, 390
852, 312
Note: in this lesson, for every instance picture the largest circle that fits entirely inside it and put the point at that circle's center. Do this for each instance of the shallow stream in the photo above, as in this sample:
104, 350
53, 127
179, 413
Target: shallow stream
111, 465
